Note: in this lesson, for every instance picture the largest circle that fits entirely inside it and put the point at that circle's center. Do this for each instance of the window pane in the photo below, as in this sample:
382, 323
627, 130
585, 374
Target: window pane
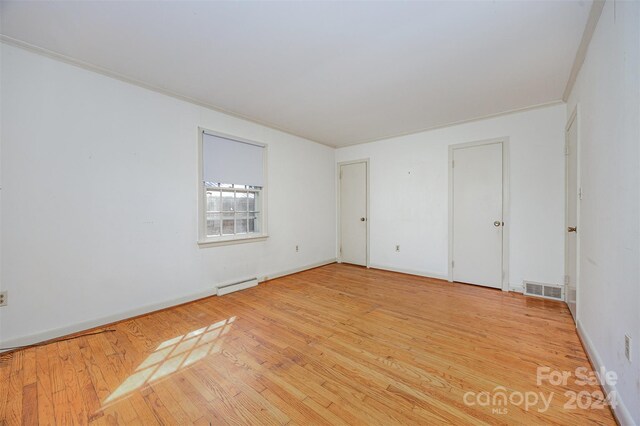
228, 201
251, 201
213, 201
228, 227
241, 223
241, 201
254, 223
231, 210
213, 224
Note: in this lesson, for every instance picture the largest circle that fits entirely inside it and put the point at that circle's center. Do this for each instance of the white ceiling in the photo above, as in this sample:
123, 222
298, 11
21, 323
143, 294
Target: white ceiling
336, 72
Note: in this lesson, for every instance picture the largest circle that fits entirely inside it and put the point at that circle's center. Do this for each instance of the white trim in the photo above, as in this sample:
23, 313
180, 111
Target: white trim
456, 123
573, 118
506, 203
143, 310
410, 272
581, 53
86, 325
231, 138
339, 230
222, 241
620, 412
111, 74
275, 275
516, 288
203, 241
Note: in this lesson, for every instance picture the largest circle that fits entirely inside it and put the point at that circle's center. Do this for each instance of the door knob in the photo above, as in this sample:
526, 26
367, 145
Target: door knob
362, 219
572, 229
496, 223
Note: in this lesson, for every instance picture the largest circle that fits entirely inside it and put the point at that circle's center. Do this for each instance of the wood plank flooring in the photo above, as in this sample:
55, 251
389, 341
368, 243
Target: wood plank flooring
334, 345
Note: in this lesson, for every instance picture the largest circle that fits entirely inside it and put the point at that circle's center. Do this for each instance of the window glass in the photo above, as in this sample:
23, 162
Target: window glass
254, 222
241, 223
213, 201
251, 201
213, 224
241, 201
228, 224
228, 201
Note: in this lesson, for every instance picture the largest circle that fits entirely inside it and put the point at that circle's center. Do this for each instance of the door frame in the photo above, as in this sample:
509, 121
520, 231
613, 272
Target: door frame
573, 118
506, 202
338, 180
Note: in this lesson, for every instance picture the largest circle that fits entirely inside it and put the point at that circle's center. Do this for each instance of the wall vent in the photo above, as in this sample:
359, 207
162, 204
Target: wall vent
547, 291
240, 285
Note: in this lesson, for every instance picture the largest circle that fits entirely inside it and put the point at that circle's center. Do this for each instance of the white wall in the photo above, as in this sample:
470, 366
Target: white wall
607, 92
409, 179
99, 199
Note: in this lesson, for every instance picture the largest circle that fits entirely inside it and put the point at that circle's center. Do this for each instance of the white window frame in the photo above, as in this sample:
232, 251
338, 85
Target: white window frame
203, 239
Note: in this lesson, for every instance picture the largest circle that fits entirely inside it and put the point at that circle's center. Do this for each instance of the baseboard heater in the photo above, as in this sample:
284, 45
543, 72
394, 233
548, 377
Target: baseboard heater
240, 285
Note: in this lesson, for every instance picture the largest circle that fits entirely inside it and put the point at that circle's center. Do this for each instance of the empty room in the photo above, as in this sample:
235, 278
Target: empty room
320, 212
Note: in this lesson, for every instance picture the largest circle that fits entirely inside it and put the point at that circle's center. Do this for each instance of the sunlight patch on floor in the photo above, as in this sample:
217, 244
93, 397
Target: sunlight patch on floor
173, 355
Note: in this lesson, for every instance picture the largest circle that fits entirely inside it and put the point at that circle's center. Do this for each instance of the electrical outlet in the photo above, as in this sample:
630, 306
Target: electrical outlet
627, 347
4, 298
397, 248
297, 249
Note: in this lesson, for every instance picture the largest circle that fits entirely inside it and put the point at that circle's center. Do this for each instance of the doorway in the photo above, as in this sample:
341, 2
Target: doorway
573, 199
354, 212
477, 213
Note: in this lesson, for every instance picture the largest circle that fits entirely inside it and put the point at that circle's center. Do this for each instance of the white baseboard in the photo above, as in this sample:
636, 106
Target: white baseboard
275, 275
99, 322
622, 414
411, 272
516, 288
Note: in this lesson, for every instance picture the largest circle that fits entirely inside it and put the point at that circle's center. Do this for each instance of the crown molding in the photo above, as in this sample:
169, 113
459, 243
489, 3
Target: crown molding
126, 79
111, 74
457, 123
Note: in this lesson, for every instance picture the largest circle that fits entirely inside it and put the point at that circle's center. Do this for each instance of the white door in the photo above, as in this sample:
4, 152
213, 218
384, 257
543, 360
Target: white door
353, 213
477, 215
571, 217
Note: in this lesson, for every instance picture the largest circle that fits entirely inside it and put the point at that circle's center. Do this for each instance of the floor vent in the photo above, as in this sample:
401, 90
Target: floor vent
241, 285
546, 291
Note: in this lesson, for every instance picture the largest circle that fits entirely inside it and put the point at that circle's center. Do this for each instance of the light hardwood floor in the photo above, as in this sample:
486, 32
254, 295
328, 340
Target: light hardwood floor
334, 345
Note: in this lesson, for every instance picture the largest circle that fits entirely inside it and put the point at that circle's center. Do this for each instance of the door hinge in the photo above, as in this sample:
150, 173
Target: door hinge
340, 249
566, 149
566, 280
579, 193
453, 263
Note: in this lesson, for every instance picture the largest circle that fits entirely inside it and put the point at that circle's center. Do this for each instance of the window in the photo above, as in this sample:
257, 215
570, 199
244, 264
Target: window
232, 191
232, 209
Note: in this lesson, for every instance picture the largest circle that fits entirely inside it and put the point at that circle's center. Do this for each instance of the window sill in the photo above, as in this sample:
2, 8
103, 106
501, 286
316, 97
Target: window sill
224, 241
